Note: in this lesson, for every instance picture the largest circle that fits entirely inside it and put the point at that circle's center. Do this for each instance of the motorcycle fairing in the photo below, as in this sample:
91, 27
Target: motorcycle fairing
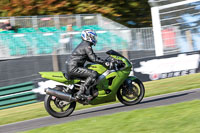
96, 67
103, 86
118, 78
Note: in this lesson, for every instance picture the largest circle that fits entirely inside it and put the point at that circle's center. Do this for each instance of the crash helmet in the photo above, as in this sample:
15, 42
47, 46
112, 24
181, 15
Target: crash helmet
89, 35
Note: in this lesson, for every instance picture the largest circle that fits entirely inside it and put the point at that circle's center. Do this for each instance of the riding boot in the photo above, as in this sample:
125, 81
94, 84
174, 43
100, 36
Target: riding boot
84, 87
80, 92
88, 83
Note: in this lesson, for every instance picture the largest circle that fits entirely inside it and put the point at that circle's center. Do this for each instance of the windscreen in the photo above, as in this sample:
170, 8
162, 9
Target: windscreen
112, 52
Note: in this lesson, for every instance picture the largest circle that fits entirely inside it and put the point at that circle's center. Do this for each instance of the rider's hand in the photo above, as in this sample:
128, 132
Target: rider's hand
107, 64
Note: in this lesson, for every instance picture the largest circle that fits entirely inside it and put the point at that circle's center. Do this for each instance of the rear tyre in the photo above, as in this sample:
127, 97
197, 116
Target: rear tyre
57, 107
131, 94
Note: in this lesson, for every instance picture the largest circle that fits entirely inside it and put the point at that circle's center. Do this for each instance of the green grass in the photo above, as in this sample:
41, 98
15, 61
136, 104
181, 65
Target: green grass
172, 84
152, 88
176, 118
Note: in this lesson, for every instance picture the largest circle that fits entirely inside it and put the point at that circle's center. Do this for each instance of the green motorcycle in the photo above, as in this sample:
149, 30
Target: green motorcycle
113, 82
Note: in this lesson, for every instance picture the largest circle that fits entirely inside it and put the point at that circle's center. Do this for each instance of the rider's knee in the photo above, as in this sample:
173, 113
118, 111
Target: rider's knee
94, 75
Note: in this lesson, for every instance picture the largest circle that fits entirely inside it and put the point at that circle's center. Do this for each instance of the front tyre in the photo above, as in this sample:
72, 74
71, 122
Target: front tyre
57, 107
131, 92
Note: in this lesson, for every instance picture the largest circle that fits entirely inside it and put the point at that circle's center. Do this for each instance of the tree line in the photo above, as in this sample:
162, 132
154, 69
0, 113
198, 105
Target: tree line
132, 13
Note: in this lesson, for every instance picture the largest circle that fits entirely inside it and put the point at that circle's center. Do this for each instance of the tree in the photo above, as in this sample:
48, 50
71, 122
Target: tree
132, 13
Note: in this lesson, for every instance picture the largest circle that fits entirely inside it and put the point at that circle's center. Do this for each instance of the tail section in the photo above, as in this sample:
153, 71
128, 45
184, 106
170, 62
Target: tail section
56, 76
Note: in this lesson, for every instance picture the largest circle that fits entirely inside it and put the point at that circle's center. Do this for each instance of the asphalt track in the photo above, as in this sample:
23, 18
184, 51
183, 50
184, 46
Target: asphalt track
159, 100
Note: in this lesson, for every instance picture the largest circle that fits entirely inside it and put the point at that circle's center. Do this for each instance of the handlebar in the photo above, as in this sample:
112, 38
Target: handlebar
116, 64
112, 65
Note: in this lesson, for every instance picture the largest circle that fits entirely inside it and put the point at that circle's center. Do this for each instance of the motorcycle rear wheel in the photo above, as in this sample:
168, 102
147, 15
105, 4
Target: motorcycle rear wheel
57, 107
135, 96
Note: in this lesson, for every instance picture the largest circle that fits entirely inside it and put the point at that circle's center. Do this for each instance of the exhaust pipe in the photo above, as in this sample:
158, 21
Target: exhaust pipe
59, 94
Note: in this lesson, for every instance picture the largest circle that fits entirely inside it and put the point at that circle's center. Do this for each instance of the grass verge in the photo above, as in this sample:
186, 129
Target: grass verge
152, 88
182, 117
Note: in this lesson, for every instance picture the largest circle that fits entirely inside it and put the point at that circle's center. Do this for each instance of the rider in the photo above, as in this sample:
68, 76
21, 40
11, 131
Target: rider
82, 53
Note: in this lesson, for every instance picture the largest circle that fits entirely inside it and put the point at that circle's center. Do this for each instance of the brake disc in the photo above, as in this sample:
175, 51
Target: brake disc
130, 92
63, 103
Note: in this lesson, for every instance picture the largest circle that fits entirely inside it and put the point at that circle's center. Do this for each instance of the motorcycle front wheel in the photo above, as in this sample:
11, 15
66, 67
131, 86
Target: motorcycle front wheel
131, 94
58, 108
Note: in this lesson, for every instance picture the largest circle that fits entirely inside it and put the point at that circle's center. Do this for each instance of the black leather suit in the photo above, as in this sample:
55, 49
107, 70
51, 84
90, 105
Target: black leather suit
75, 65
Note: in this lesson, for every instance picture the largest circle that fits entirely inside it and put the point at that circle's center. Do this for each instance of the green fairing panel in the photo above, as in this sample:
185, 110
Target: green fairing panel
119, 78
96, 67
57, 76
102, 85
127, 64
105, 99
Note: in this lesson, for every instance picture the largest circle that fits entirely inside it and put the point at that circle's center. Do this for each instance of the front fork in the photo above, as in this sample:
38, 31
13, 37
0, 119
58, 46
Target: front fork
128, 87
